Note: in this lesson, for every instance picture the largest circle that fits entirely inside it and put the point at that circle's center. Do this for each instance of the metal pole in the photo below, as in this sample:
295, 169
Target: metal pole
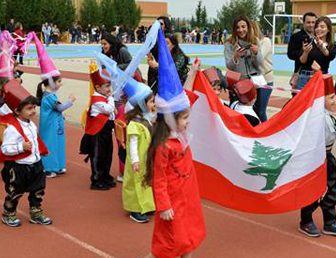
273, 37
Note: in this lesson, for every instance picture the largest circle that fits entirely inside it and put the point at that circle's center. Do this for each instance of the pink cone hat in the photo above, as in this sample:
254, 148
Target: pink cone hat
6, 65
48, 69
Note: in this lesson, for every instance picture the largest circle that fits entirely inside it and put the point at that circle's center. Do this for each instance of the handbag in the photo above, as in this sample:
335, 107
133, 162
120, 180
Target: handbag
258, 80
294, 80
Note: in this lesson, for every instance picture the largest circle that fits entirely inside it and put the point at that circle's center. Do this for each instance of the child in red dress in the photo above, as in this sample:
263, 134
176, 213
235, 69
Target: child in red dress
179, 224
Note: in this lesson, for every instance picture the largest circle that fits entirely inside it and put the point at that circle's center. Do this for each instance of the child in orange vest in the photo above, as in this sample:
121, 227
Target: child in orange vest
21, 151
97, 140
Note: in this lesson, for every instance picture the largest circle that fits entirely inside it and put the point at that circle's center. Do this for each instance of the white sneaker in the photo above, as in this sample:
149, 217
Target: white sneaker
51, 174
120, 179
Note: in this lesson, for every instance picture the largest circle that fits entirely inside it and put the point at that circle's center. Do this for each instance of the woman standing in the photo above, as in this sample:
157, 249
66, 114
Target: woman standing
266, 69
241, 51
115, 49
180, 59
319, 49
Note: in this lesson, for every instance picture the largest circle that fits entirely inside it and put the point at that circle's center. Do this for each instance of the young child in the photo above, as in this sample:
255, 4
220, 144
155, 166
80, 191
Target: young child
137, 198
21, 151
51, 114
246, 94
328, 200
97, 140
179, 224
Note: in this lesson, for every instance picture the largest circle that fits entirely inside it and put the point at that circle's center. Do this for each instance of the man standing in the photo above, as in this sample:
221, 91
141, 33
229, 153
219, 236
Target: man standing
299, 43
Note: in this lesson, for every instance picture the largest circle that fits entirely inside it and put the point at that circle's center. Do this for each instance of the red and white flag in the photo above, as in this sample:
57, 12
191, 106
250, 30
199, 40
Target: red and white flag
275, 167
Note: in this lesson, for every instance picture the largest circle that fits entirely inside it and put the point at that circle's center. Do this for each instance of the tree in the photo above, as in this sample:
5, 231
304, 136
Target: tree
107, 14
66, 14
267, 162
89, 13
267, 8
204, 18
235, 8
198, 14
2, 12
127, 13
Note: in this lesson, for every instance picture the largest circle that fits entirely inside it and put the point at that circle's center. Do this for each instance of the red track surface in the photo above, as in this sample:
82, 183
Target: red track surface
93, 224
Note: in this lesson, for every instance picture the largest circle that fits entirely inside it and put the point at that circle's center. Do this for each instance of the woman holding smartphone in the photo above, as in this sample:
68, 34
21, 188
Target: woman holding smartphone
242, 52
319, 49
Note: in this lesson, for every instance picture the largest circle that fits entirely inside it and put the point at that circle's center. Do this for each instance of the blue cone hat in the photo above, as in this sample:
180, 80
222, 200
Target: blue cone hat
171, 96
136, 92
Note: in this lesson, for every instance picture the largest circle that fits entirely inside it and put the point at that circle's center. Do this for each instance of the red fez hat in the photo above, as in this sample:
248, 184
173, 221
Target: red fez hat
328, 84
232, 78
246, 92
97, 79
212, 75
14, 93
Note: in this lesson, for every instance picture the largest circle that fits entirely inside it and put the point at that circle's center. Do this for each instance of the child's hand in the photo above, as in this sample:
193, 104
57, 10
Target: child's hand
167, 214
27, 146
152, 62
196, 65
136, 166
72, 98
315, 66
116, 111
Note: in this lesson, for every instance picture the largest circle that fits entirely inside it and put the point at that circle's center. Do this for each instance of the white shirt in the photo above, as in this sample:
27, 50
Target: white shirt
13, 142
102, 107
243, 109
330, 132
4, 110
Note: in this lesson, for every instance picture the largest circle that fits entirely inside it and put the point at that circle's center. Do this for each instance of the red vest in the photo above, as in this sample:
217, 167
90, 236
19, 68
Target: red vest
10, 119
95, 124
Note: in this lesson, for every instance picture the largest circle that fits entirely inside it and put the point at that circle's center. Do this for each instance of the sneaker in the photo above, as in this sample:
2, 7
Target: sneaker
37, 217
11, 220
329, 229
310, 229
138, 217
120, 179
61, 172
100, 186
50, 174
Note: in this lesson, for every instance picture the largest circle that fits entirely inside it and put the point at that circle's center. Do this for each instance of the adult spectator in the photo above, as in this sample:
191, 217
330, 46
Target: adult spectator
55, 34
113, 48
46, 30
180, 59
242, 52
266, 69
153, 72
10, 26
73, 33
299, 44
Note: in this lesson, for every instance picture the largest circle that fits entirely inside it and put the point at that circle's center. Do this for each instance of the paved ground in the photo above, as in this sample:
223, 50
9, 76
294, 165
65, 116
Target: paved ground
93, 224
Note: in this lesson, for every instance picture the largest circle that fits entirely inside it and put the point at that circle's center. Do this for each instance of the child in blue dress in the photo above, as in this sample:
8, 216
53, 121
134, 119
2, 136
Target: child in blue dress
51, 114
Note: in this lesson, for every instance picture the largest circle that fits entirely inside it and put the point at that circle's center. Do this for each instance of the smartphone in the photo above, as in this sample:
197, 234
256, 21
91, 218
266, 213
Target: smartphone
307, 39
248, 46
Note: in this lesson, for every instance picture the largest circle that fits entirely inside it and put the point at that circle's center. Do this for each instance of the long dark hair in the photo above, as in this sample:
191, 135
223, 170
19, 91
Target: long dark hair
327, 21
115, 43
167, 23
39, 90
160, 135
176, 49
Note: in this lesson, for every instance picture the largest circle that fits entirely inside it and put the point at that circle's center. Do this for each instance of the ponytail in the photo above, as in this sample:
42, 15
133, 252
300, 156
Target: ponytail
39, 92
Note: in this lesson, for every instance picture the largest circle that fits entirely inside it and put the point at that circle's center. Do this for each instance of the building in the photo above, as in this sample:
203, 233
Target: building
320, 7
150, 10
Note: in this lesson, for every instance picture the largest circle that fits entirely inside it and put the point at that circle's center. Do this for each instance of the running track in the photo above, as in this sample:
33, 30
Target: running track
93, 224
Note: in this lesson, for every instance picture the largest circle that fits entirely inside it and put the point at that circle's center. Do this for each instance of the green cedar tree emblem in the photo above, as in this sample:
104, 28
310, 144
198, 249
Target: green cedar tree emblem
267, 162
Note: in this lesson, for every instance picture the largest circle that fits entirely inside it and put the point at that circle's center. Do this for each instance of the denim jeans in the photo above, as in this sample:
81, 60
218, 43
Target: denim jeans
261, 103
47, 40
303, 79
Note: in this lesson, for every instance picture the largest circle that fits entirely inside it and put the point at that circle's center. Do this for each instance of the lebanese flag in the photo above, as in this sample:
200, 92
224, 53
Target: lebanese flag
276, 167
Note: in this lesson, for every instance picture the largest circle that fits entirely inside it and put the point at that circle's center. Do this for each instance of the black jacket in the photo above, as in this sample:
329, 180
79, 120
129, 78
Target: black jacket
294, 50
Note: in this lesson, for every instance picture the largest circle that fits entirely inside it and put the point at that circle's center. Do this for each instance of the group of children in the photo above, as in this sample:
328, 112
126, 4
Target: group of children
30, 156
158, 175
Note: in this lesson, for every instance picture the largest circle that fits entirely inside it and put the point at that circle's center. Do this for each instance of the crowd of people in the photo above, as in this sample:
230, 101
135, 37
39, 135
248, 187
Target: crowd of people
150, 122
